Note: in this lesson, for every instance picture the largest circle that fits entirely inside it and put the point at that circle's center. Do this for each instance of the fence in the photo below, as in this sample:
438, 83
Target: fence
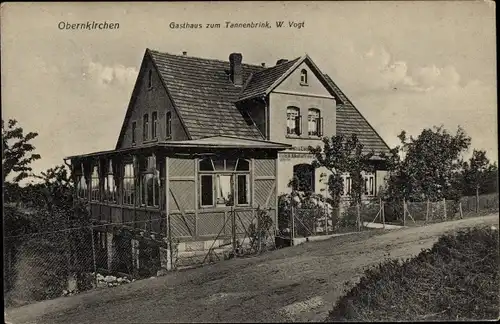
312, 221
45, 265
239, 235
75, 258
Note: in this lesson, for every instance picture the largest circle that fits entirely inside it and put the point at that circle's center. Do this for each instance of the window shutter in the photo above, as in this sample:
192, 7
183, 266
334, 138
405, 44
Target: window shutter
298, 125
319, 126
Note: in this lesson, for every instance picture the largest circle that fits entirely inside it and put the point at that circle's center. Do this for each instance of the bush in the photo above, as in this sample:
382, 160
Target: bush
348, 218
457, 279
41, 270
309, 208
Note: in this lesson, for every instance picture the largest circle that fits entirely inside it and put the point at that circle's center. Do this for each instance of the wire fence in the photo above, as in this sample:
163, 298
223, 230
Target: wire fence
46, 265
78, 257
312, 221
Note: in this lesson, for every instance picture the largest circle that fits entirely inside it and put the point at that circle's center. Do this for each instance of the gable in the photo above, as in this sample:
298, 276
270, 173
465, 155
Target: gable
146, 100
292, 83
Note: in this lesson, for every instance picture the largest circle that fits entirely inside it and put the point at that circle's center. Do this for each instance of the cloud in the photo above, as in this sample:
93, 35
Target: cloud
110, 75
376, 69
395, 94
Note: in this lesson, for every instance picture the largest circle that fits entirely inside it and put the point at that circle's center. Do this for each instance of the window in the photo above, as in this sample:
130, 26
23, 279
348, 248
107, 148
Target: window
243, 189
370, 185
347, 185
224, 182
150, 79
315, 122
303, 77
134, 129
110, 185
303, 178
82, 185
293, 121
94, 196
154, 125
207, 190
150, 182
145, 127
168, 124
128, 184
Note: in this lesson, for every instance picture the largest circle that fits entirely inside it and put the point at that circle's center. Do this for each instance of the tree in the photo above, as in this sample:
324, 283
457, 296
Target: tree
426, 165
477, 173
341, 155
17, 151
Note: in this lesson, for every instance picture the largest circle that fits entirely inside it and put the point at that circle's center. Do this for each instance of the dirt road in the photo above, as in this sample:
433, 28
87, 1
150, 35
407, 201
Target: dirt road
293, 284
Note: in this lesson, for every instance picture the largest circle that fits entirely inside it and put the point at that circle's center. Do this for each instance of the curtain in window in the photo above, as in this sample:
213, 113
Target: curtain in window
224, 190
292, 116
313, 122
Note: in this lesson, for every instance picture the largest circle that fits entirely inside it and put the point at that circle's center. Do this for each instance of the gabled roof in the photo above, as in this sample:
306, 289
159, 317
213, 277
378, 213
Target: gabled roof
350, 121
265, 81
204, 95
205, 98
261, 81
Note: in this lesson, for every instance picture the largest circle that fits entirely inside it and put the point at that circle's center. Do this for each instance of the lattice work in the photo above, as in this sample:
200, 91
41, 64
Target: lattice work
243, 220
262, 191
210, 223
181, 167
181, 226
265, 167
182, 195
142, 220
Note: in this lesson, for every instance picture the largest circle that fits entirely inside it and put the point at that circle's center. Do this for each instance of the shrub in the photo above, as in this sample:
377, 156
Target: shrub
309, 208
41, 270
457, 279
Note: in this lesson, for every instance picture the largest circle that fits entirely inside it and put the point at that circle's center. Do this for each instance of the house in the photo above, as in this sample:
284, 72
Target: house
204, 141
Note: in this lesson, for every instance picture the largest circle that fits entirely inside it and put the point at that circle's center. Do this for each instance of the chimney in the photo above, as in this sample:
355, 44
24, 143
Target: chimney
184, 53
263, 64
281, 61
235, 69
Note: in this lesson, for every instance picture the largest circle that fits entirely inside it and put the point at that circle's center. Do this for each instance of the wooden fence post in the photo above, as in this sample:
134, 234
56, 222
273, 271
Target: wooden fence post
404, 212
93, 255
477, 199
325, 210
233, 230
444, 208
383, 212
460, 209
358, 217
427, 212
293, 223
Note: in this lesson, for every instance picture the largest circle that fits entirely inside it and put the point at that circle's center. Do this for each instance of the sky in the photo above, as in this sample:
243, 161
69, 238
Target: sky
406, 65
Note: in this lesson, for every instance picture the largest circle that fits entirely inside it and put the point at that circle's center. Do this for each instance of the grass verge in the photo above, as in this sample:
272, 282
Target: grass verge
457, 279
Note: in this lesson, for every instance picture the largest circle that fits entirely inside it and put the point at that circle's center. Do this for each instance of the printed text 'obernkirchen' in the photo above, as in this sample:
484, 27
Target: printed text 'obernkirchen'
88, 25
232, 24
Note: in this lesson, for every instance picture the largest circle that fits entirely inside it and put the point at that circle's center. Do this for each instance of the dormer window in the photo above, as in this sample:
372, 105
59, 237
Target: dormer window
150, 79
303, 77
